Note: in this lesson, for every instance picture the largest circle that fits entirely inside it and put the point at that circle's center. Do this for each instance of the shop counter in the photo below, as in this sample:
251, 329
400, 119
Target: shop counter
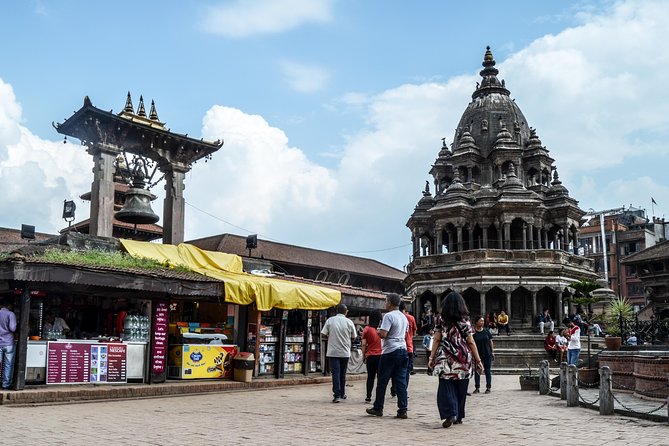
191, 361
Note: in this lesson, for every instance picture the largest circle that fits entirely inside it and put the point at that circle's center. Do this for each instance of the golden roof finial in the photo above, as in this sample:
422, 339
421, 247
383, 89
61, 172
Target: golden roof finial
152, 114
128, 105
140, 110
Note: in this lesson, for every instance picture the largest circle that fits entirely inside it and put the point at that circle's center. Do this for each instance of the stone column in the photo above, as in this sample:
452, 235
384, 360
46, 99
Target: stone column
102, 189
565, 238
500, 238
459, 229
531, 227
534, 304
485, 238
606, 404
572, 386
560, 308
483, 309
173, 208
545, 238
524, 236
439, 240
416, 244
508, 304
507, 235
471, 238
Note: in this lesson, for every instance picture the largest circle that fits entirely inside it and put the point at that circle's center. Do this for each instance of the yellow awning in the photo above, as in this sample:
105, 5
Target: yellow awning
240, 287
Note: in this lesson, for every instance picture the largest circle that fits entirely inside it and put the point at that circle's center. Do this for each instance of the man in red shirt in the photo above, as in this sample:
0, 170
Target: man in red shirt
413, 329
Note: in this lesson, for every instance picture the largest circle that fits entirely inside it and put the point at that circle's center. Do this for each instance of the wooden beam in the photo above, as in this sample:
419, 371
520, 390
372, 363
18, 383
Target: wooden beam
21, 353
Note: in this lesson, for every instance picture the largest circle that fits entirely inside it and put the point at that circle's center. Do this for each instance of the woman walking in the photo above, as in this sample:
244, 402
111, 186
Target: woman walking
451, 359
485, 347
371, 350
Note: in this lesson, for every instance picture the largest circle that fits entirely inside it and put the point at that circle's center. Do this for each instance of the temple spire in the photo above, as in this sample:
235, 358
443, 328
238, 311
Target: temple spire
140, 110
128, 105
489, 83
152, 114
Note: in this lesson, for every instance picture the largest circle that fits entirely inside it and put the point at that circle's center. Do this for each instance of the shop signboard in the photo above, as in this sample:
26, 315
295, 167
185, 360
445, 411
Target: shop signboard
160, 315
85, 362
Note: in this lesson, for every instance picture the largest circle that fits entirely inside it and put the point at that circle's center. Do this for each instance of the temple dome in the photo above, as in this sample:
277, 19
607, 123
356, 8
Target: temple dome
490, 110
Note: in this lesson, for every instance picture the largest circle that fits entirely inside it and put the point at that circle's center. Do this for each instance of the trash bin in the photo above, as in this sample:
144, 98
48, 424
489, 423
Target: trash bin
244, 363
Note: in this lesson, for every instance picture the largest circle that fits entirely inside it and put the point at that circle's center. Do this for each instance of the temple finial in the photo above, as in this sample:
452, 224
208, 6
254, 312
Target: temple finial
128, 105
140, 110
152, 114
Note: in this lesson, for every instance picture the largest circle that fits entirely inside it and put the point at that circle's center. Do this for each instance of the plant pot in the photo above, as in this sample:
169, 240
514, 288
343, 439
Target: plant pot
529, 382
613, 342
588, 376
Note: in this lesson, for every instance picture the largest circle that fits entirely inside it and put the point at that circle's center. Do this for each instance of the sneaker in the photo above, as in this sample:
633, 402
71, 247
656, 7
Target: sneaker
375, 412
448, 422
343, 397
336, 399
487, 390
402, 415
368, 400
476, 391
457, 422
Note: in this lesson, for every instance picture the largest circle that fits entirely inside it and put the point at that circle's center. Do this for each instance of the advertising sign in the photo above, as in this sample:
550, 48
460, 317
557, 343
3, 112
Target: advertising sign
203, 360
160, 323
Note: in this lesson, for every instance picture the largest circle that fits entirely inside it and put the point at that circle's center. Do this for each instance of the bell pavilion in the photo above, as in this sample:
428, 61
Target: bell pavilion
500, 228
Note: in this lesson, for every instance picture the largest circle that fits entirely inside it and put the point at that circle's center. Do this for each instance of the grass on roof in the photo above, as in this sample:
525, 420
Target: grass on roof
96, 257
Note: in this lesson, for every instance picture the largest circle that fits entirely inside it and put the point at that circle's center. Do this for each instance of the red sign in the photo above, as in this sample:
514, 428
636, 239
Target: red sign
160, 322
75, 363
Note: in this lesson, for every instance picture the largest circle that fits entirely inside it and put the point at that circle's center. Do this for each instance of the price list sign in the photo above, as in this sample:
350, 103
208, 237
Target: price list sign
160, 315
77, 363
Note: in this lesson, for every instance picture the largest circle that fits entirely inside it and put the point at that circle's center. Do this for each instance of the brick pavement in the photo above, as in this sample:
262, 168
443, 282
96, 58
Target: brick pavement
304, 415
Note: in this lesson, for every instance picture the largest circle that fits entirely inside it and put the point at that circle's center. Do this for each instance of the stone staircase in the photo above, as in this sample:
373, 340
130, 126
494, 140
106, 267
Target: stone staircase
515, 352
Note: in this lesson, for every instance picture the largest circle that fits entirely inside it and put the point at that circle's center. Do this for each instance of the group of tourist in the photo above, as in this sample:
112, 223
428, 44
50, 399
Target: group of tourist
568, 340
455, 351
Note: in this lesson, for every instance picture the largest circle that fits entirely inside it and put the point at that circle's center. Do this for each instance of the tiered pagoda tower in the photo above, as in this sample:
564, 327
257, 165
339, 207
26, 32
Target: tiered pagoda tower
500, 229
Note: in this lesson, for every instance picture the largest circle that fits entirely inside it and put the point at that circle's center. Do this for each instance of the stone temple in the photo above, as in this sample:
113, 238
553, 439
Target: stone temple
500, 229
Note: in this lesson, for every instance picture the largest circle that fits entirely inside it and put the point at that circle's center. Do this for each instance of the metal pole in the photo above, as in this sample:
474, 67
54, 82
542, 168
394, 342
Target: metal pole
606, 267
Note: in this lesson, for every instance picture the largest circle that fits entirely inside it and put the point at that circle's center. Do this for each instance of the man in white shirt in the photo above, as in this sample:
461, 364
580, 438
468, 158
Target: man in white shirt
394, 358
55, 324
574, 347
339, 331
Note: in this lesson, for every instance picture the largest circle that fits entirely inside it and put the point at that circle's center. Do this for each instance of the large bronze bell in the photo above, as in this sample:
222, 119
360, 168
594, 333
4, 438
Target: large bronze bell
137, 207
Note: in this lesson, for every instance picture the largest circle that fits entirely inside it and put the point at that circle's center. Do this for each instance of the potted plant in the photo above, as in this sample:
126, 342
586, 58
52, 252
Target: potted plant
618, 309
529, 381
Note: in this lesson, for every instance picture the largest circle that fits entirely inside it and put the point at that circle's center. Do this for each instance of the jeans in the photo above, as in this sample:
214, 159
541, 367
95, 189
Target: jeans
372, 371
7, 355
572, 355
338, 369
487, 366
451, 398
393, 365
393, 392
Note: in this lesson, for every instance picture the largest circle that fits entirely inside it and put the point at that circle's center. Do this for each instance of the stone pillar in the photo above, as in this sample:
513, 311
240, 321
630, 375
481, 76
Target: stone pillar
606, 404
563, 380
545, 238
508, 305
500, 238
471, 238
575, 234
534, 304
459, 229
544, 378
173, 208
524, 236
483, 308
485, 238
565, 238
507, 235
531, 227
439, 240
102, 189
416, 244
470, 175
561, 314
572, 386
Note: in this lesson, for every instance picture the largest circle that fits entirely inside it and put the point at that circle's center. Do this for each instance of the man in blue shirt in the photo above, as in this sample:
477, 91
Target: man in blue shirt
7, 329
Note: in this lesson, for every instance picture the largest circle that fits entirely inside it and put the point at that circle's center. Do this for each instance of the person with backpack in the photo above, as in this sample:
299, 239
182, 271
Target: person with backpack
451, 359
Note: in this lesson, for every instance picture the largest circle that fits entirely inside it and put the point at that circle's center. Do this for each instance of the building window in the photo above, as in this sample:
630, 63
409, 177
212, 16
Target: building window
658, 266
634, 289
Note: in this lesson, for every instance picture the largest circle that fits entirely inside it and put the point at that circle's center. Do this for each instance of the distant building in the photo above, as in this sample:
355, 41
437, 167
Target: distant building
500, 229
651, 268
627, 231
10, 239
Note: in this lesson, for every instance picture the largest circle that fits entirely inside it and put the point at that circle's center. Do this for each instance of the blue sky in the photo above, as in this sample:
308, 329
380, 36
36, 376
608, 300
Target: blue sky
332, 110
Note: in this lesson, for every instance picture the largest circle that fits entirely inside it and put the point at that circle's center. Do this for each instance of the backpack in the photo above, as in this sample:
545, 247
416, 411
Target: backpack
455, 345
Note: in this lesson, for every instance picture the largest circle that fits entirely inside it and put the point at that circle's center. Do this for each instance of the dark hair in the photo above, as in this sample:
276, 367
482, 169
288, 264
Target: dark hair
375, 318
566, 321
480, 316
394, 299
341, 309
403, 306
454, 309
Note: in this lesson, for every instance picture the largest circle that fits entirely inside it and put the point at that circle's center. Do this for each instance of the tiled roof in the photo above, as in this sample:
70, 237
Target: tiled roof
655, 252
10, 239
298, 255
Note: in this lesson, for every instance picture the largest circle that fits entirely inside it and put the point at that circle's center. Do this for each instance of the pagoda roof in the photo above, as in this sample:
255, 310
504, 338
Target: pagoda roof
135, 133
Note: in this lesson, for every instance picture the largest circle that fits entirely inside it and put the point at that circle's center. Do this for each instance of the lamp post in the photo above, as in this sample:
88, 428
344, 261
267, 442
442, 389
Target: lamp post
603, 235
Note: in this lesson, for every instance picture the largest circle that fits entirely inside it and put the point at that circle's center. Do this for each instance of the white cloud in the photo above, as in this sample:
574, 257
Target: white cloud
36, 175
304, 78
245, 18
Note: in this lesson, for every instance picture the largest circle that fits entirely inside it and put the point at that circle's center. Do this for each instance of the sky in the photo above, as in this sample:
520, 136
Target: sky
331, 111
